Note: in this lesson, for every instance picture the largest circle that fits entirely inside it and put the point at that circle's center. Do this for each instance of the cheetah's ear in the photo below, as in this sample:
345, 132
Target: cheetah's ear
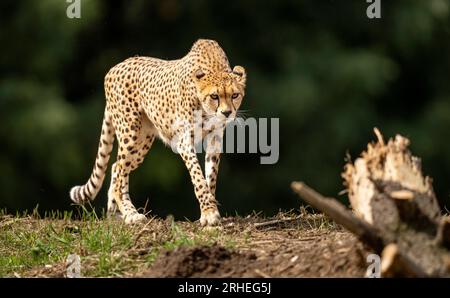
199, 73
240, 74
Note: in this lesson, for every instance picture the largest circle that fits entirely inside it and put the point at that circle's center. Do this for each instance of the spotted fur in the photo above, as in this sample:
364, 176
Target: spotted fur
147, 98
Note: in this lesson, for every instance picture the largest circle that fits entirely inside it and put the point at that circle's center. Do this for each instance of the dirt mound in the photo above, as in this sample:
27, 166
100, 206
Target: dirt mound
340, 256
287, 245
201, 261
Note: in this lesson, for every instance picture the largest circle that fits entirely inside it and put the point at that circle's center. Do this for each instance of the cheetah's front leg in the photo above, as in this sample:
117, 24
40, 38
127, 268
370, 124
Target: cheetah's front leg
212, 160
211, 170
118, 193
208, 206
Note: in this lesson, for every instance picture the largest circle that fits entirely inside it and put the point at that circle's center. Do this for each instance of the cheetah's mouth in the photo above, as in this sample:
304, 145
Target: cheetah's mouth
224, 119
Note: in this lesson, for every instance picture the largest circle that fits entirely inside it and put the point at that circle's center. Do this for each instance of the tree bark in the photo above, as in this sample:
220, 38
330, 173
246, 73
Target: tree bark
395, 210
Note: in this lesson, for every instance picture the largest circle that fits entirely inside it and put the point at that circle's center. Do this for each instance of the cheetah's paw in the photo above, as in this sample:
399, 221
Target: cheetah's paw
210, 218
134, 218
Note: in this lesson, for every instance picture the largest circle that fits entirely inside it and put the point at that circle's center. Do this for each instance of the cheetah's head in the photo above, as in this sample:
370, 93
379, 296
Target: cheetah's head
221, 93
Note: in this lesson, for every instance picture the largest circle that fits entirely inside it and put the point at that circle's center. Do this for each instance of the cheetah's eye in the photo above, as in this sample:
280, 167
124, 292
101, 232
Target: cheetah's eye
214, 96
235, 95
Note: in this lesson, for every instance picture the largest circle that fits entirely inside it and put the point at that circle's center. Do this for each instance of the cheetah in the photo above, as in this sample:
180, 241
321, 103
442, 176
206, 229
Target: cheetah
145, 99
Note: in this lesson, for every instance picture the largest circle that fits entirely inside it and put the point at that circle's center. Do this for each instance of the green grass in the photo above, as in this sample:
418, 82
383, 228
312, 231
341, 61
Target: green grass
31, 245
106, 247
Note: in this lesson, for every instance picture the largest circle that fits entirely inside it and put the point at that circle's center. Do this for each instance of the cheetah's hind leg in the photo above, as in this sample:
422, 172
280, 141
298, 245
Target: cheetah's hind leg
112, 208
129, 157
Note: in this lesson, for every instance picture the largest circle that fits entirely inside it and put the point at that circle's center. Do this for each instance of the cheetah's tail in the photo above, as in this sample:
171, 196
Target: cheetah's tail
82, 193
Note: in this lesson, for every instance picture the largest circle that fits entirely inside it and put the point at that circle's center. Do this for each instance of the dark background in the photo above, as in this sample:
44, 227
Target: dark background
323, 68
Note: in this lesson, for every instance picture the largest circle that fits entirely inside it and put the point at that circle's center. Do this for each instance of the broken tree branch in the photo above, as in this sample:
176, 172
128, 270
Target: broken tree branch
443, 232
395, 210
340, 214
274, 222
395, 264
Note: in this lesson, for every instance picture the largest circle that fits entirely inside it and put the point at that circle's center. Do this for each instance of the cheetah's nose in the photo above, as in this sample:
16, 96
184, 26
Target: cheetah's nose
226, 113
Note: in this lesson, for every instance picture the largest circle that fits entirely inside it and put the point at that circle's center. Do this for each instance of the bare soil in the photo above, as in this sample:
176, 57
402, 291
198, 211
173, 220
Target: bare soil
281, 249
293, 244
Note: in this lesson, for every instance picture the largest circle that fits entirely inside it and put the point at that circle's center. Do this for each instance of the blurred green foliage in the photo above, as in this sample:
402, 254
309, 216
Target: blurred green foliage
327, 71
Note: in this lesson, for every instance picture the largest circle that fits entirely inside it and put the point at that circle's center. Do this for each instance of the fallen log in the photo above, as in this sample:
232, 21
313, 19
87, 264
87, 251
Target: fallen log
386, 187
393, 264
340, 214
443, 233
394, 210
